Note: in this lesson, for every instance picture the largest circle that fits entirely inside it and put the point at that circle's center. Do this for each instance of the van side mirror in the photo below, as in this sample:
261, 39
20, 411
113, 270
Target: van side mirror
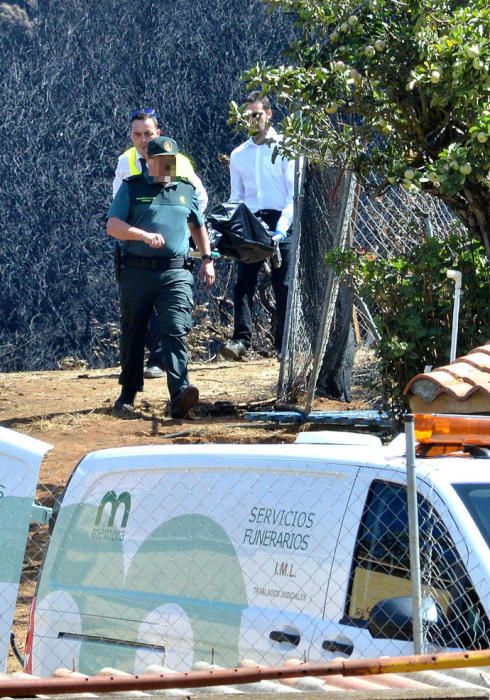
392, 618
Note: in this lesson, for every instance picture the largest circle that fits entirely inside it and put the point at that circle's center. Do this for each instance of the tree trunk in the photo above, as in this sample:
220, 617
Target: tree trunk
334, 379
472, 206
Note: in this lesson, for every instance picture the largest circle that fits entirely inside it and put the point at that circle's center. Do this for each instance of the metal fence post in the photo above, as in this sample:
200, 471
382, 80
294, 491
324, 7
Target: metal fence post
299, 170
456, 276
413, 533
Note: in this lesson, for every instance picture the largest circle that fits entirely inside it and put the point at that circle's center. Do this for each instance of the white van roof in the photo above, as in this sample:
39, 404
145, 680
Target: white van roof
337, 437
296, 455
214, 455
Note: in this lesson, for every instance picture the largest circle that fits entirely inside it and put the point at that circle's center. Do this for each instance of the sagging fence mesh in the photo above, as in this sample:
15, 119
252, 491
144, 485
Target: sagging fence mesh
323, 208
333, 210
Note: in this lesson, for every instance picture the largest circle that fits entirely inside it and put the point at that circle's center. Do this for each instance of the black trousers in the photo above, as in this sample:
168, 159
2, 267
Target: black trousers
153, 342
247, 282
169, 293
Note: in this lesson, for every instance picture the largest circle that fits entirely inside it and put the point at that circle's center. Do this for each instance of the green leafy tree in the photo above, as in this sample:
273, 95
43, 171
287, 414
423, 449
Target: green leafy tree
398, 86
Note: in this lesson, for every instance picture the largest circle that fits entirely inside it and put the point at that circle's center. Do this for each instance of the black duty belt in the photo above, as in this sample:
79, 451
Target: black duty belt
142, 263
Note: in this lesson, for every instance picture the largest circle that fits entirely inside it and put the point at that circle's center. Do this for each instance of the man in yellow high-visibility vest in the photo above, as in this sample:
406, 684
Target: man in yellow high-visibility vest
143, 127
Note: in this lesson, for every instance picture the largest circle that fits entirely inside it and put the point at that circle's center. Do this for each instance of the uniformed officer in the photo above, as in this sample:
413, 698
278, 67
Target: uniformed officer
143, 127
152, 214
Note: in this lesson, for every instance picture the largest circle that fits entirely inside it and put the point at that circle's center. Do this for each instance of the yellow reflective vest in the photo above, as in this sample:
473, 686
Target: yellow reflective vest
183, 165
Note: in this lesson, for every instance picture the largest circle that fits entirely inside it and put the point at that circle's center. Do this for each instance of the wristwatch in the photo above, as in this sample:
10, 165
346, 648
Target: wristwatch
206, 256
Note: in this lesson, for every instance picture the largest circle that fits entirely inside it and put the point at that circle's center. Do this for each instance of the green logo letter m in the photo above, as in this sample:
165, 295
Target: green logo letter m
110, 497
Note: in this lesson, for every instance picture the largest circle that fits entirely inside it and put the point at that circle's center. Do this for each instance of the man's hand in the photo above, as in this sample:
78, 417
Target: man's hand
279, 236
207, 273
154, 240
200, 237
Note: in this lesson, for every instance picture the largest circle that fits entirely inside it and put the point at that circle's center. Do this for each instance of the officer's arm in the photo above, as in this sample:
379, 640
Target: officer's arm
200, 237
202, 195
117, 228
117, 225
186, 170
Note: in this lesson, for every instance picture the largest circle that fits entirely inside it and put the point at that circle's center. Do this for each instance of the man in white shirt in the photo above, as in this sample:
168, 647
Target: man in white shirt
143, 127
264, 181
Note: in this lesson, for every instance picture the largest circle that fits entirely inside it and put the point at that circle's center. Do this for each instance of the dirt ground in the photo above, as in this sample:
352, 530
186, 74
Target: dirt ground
71, 410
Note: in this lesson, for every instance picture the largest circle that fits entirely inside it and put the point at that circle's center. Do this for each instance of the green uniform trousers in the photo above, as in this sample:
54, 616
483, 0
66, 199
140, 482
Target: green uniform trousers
170, 293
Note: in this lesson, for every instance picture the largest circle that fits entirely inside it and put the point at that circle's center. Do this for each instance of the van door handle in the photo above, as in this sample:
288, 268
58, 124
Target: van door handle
285, 637
342, 647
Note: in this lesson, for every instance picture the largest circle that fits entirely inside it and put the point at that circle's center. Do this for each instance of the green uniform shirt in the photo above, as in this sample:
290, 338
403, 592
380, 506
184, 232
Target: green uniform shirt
157, 208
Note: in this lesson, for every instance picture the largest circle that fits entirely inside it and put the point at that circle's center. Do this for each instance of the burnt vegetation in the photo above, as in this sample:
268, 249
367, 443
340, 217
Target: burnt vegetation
71, 72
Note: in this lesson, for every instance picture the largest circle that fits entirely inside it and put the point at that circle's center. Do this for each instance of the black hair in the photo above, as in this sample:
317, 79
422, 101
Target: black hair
143, 114
257, 96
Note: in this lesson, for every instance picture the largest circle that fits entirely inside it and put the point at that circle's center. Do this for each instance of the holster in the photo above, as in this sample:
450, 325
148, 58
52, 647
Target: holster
117, 262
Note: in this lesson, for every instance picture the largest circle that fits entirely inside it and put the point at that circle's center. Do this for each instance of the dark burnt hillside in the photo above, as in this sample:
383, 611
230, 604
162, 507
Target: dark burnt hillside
71, 72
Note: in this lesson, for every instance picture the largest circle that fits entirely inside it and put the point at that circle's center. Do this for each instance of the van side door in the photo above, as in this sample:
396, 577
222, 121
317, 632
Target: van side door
373, 564
287, 585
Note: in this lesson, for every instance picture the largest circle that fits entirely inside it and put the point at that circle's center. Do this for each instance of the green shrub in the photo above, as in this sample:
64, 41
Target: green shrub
411, 300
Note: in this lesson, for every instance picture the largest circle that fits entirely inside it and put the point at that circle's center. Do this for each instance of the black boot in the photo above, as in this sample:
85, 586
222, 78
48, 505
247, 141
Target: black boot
125, 402
181, 404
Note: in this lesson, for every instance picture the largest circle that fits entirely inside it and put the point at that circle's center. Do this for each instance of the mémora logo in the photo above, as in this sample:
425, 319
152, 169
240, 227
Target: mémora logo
106, 527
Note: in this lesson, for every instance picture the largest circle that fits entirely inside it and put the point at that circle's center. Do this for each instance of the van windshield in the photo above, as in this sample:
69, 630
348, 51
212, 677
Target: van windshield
476, 498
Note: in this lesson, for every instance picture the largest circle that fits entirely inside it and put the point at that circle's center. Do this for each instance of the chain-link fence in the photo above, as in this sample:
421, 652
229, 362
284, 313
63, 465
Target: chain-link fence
447, 580
334, 211
170, 556
391, 223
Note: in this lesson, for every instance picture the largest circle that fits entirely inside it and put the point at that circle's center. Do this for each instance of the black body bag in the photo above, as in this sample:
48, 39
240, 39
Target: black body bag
243, 236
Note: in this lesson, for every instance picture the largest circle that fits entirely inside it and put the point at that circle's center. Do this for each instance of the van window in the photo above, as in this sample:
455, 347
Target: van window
476, 498
381, 567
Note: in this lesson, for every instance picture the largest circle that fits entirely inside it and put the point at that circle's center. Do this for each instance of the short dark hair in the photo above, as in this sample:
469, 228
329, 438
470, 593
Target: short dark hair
143, 113
257, 96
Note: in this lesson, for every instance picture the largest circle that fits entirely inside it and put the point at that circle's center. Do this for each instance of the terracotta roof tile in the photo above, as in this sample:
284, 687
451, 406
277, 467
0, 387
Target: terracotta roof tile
462, 386
464, 369
480, 357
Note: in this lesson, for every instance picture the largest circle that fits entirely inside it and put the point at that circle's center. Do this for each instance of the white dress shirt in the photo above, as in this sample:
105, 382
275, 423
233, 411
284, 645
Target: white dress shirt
261, 183
123, 171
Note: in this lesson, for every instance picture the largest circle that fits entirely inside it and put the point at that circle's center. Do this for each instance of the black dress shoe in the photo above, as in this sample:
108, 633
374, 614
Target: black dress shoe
233, 350
183, 402
153, 372
124, 406
123, 410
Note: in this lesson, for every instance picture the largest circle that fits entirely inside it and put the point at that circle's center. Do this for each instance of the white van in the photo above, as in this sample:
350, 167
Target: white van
176, 554
20, 459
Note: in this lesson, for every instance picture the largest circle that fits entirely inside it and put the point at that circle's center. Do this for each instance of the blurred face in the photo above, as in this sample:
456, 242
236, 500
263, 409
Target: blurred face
142, 131
162, 168
258, 118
